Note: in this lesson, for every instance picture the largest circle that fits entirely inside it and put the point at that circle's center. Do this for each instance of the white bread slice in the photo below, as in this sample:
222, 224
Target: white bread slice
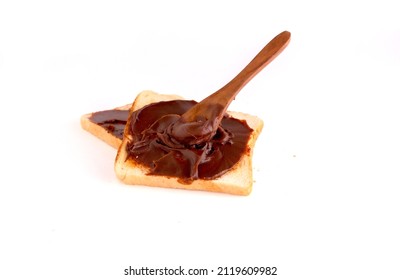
144, 98
238, 180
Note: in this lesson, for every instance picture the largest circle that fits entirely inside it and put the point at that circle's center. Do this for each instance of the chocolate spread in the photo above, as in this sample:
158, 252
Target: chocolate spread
113, 121
201, 156
193, 155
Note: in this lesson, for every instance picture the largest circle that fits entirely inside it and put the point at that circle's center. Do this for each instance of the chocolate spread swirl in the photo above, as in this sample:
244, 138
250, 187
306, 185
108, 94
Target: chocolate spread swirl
200, 157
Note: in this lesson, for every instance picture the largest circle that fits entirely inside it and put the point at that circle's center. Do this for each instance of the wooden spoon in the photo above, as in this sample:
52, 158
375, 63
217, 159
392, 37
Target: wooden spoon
204, 118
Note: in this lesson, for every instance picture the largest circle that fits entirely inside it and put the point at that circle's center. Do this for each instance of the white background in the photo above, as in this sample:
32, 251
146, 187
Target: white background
325, 203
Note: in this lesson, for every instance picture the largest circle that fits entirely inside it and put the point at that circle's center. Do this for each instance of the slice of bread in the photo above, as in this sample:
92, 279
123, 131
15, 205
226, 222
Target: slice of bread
238, 180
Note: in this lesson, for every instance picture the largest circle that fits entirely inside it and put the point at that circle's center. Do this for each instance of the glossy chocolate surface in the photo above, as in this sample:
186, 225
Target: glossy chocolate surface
113, 121
153, 145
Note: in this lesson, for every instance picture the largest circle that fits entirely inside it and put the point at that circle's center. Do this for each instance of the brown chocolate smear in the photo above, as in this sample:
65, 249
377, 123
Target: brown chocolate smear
113, 121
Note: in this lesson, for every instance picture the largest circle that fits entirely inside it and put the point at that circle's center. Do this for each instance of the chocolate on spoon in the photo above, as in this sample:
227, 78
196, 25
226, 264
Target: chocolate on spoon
201, 122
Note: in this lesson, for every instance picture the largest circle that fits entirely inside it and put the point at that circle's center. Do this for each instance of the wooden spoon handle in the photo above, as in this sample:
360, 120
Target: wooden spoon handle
226, 94
262, 59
